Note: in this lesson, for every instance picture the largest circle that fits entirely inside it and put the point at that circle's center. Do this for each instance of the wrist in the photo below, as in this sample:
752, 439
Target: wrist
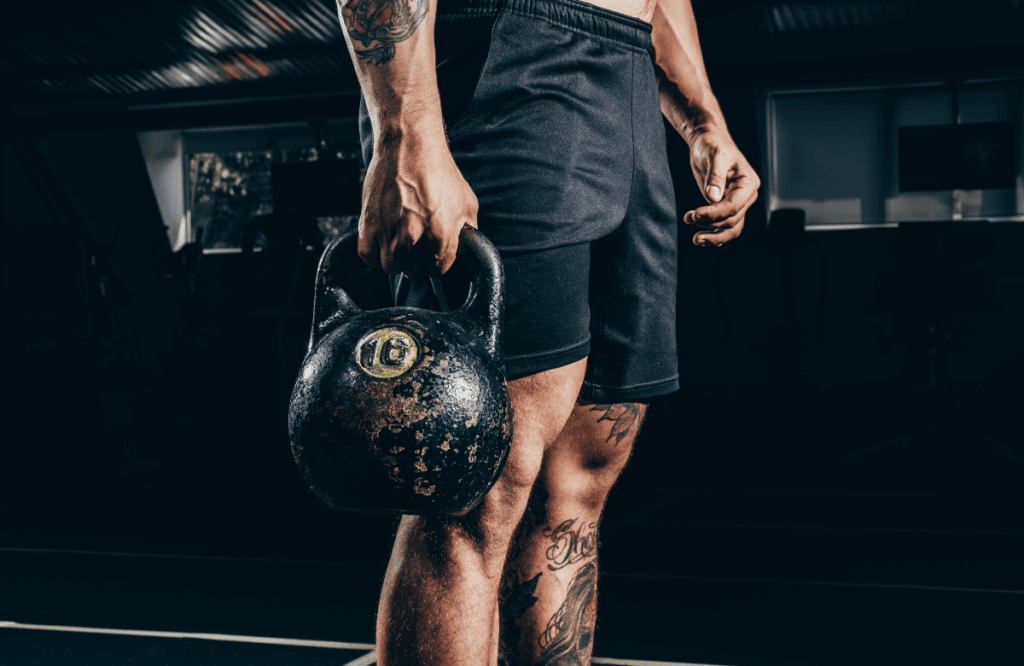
408, 122
697, 119
693, 131
692, 114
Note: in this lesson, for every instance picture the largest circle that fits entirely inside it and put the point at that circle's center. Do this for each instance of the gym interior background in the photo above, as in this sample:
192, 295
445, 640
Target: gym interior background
838, 482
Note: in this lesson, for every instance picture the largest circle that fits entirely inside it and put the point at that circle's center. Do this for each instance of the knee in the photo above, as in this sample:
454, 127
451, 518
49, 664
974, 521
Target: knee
585, 489
601, 437
604, 458
589, 456
480, 538
542, 404
582, 481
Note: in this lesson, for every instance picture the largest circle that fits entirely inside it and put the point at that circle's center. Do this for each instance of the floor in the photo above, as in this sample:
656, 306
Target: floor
728, 547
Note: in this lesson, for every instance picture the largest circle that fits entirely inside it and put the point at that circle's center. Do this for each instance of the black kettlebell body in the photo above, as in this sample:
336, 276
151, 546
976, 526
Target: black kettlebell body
403, 410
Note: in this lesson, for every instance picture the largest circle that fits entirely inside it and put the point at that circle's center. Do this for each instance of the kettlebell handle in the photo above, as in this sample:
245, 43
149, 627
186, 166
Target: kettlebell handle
483, 308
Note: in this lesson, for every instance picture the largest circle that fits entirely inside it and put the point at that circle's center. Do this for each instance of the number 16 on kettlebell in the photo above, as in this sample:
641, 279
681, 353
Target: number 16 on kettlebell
403, 410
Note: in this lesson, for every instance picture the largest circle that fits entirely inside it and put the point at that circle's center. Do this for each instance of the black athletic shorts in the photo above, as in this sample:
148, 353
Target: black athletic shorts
553, 117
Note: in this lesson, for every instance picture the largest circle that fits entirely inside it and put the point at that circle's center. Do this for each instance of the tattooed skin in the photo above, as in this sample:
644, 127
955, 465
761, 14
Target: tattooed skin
568, 638
377, 25
516, 596
515, 600
623, 415
570, 545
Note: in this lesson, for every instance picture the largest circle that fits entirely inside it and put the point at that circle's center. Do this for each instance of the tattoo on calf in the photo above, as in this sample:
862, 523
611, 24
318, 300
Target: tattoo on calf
517, 597
515, 600
375, 26
624, 416
568, 638
571, 545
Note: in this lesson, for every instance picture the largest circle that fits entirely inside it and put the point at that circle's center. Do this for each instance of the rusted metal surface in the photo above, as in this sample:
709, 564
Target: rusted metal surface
431, 439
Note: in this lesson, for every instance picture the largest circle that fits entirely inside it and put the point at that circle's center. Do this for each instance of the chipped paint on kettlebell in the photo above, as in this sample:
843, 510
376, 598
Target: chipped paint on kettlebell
432, 438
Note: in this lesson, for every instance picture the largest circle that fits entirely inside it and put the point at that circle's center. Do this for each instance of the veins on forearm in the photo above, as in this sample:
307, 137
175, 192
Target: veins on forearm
688, 116
376, 26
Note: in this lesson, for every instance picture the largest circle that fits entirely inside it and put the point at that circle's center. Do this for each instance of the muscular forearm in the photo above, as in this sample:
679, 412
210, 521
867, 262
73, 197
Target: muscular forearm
724, 176
686, 97
392, 46
415, 200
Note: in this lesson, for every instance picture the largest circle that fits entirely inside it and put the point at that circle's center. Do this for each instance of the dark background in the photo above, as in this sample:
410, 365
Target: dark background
774, 513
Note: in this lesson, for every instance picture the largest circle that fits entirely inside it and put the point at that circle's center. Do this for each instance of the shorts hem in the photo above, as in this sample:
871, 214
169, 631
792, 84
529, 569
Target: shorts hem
639, 393
523, 365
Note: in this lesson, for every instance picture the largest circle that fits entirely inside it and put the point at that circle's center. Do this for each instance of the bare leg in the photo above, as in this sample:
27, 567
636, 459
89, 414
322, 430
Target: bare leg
439, 605
549, 592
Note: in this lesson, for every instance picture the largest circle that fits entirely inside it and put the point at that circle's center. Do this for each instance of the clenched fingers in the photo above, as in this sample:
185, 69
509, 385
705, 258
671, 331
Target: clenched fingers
741, 194
729, 230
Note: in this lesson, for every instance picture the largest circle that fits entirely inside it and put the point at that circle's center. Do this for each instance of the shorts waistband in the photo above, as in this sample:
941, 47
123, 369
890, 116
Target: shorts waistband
581, 16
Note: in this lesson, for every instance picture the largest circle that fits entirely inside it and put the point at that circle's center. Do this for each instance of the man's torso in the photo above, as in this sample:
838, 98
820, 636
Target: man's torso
641, 9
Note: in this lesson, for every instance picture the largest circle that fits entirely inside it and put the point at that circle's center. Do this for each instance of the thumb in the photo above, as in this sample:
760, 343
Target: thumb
714, 182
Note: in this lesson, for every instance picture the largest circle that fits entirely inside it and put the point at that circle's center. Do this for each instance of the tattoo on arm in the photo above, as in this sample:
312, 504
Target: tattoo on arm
624, 415
570, 545
569, 636
375, 26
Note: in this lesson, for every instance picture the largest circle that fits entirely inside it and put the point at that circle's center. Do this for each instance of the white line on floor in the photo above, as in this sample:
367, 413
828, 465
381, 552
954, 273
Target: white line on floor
371, 658
178, 634
367, 659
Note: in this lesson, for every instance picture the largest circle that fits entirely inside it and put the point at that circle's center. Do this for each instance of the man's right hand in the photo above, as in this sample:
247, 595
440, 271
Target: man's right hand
415, 203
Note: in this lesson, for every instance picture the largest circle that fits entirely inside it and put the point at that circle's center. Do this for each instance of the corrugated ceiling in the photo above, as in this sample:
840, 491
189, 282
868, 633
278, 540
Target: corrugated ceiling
123, 48
117, 48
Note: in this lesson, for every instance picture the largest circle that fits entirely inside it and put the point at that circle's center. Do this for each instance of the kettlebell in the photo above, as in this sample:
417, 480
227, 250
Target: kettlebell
403, 410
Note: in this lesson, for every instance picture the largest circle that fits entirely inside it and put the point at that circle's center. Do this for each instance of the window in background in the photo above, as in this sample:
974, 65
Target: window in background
163, 152
835, 154
827, 156
919, 108
228, 191
230, 179
993, 103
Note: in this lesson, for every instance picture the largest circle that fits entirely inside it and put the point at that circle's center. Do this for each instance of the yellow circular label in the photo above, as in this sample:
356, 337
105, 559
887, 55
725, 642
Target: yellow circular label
387, 352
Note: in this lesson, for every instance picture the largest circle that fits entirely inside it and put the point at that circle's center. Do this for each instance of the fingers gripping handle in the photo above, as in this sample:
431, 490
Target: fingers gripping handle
484, 307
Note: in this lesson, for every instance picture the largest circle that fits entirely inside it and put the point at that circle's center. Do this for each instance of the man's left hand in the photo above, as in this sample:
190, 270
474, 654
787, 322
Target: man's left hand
727, 181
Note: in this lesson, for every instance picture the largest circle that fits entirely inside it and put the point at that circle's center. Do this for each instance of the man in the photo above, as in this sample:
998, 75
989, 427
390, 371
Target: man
547, 134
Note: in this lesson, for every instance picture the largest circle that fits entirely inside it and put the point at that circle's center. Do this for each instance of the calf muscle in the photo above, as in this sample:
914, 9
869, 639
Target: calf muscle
549, 590
439, 604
